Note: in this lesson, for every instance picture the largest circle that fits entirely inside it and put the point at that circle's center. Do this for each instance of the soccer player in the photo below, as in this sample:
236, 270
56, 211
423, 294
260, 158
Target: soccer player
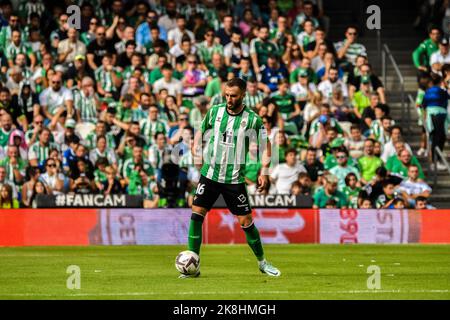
226, 127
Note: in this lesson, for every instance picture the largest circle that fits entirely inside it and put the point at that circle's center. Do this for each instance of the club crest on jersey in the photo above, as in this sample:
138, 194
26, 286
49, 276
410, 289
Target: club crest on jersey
243, 123
218, 119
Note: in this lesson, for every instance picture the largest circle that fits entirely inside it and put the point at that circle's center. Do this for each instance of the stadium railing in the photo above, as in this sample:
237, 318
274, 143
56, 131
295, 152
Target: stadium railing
405, 107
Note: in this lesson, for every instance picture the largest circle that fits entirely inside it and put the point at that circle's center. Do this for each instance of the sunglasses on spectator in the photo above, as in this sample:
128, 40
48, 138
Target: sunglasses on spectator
341, 157
56, 82
51, 165
183, 119
192, 61
94, 22
39, 122
151, 17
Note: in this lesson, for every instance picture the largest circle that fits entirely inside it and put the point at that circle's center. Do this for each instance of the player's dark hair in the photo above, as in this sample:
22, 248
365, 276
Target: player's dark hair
237, 82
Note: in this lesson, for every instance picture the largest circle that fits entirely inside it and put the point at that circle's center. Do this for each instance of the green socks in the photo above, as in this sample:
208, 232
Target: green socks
195, 236
254, 241
195, 233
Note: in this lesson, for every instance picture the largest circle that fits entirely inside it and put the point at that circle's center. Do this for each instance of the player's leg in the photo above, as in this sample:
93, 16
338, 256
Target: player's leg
206, 194
236, 198
254, 241
196, 228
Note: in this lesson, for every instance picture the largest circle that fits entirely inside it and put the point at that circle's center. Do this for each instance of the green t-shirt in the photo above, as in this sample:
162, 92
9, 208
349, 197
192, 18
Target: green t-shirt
395, 166
421, 56
342, 172
213, 87
263, 49
285, 103
360, 101
368, 166
312, 76
320, 198
352, 196
331, 162
4, 137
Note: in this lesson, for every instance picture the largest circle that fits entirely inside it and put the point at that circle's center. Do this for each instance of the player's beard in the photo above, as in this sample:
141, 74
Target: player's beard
234, 107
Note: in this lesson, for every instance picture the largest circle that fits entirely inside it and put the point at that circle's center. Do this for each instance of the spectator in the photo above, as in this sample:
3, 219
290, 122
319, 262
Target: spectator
32, 176
422, 204
52, 179
273, 73
312, 164
422, 54
330, 191
206, 48
55, 97
235, 50
194, 80
71, 47
355, 142
365, 73
332, 84
352, 190
261, 48
435, 107
349, 49
111, 185
99, 48
176, 34
441, 57
342, 170
413, 187
399, 164
283, 175
366, 203
386, 199
369, 163
7, 201
224, 34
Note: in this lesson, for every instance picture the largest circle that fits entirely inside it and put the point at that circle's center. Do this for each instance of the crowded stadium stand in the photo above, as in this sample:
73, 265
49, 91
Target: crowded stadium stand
111, 109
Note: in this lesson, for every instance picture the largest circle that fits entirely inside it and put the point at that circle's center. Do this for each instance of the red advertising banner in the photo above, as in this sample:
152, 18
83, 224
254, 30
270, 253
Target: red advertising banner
50, 227
65, 227
274, 225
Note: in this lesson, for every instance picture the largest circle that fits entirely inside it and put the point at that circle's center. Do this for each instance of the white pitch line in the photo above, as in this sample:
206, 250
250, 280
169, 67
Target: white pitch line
109, 294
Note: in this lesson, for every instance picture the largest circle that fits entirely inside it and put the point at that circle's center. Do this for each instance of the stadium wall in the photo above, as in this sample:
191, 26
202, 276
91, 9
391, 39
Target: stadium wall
83, 227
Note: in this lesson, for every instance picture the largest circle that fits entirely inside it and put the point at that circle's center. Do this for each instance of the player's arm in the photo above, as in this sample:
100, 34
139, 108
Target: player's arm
263, 179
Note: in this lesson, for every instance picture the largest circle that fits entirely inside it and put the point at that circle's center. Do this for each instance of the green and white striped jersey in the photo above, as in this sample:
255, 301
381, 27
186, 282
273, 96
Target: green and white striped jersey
11, 50
229, 137
354, 50
86, 106
149, 128
40, 152
252, 101
91, 140
105, 78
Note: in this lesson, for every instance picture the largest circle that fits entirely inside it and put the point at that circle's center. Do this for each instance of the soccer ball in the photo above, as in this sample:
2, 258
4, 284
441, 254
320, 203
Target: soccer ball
187, 262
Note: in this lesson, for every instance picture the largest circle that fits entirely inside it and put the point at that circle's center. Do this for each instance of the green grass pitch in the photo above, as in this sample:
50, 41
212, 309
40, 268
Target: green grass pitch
228, 272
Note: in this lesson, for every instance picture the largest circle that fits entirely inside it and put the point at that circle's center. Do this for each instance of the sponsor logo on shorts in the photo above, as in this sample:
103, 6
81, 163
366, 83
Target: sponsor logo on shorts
242, 198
